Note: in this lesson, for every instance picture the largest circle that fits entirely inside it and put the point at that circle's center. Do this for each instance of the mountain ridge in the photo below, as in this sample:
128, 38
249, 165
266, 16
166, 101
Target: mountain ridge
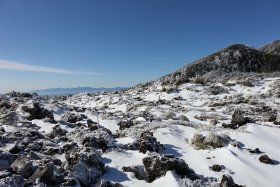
236, 58
74, 90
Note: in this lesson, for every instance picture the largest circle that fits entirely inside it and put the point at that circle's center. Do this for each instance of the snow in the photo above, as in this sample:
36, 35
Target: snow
109, 124
9, 128
242, 165
45, 127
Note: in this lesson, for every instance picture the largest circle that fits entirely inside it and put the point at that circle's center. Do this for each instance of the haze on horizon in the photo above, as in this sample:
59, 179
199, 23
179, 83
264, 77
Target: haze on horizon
68, 43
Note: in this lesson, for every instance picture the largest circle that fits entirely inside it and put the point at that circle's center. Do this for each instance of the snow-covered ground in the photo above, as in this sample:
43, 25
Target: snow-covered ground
174, 118
243, 166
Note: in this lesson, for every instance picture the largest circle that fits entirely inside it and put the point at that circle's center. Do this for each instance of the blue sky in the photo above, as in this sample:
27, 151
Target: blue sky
70, 43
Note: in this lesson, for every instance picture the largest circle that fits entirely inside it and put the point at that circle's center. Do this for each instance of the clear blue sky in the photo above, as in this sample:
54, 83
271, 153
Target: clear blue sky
69, 43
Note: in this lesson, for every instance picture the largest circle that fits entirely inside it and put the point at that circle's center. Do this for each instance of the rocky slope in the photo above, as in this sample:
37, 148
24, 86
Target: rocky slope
272, 48
219, 127
235, 58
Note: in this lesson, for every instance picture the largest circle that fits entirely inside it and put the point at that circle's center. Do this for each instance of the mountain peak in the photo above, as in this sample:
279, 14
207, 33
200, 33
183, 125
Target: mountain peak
272, 48
234, 58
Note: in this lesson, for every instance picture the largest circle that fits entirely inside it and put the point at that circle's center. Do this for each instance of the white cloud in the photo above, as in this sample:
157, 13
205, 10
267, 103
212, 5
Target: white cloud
4, 64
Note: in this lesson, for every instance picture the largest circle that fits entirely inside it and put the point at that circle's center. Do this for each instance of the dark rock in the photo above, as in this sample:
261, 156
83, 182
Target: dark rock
44, 173
92, 160
82, 174
265, 159
72, 118
137, 171
16, 149
179, 98
2, 129
36, 146
70, 146
88, 169
98, 143
227, 181
8, 156
255, 151
217, 168
36, 134
92, 125
156, 167
27, 124
237, 118
51, 151
72, 157
215, 90
247, 83
11, 118
4, 165
34, 156
37, 112
90, 122
125, 124
57, 162
12, 181
57, 132
272, 117
146, 142
5, 104
23, 167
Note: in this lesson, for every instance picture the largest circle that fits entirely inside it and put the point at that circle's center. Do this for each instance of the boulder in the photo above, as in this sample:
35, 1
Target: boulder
92, 125
216, 141
265, 159
5, 104
156, 167
87, 168
125, 124
98, 143
137, 171
57, 132
237, 120
215, 90
227, 181
16, 149
11, 118
8, 157
23, 167
73, 118
255, 151
212, 140
146, 142
82, 174
37, 112
45, 173
217, 168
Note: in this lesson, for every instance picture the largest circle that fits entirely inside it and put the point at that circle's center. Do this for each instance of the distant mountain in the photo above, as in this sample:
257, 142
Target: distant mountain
76, 90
